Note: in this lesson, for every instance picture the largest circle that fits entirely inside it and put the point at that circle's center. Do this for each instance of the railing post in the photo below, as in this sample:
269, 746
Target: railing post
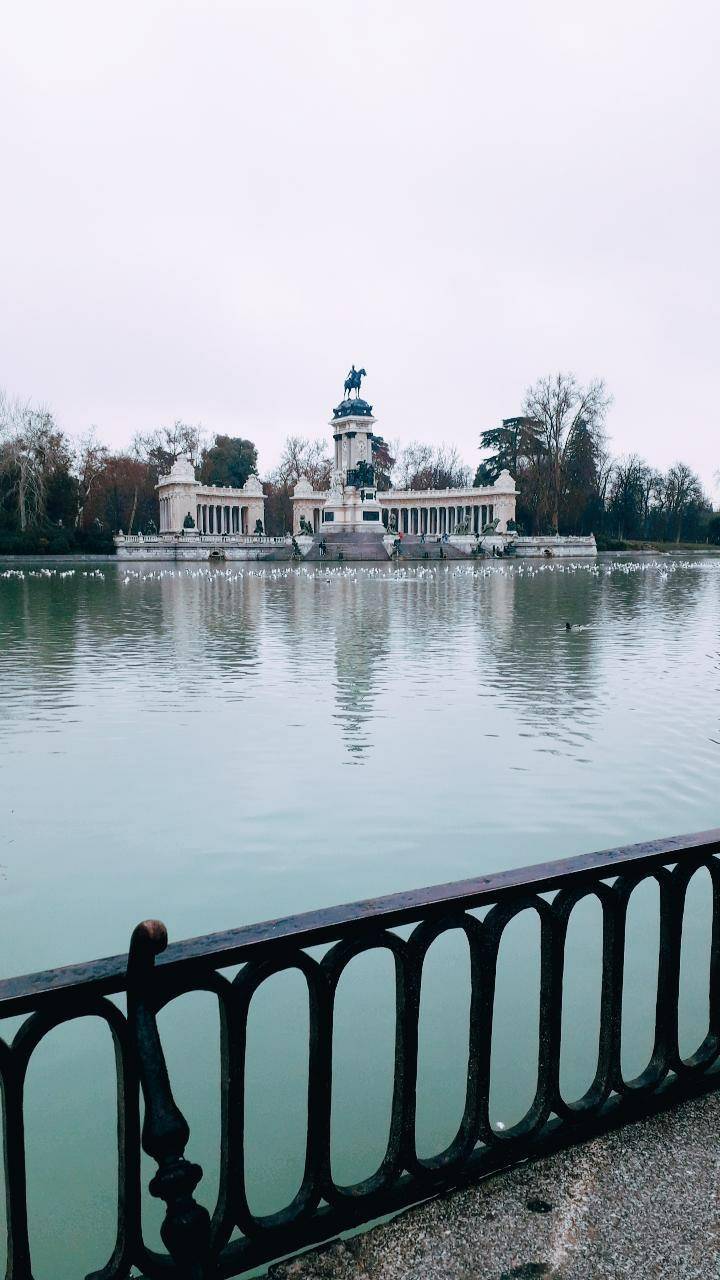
186, 1227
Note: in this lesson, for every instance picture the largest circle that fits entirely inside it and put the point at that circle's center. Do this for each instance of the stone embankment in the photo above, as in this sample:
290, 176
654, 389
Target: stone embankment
355, 546
640, 1203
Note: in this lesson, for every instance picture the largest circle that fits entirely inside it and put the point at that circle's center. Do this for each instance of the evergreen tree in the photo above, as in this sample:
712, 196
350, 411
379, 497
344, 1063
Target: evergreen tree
507, 446
228, 461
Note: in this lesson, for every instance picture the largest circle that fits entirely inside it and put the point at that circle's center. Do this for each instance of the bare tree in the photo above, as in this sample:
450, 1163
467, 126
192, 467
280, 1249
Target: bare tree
31, 447
91, 459
682, 490
14, 415
560, 406
420, 466
303, 457
411, 461
627, 494
163, 446
652, 486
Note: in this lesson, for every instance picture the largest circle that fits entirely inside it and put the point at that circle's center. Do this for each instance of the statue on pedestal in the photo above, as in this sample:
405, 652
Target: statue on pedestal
353, 380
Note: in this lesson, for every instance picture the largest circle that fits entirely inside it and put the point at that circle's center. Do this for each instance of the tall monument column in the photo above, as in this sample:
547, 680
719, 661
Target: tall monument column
352, 502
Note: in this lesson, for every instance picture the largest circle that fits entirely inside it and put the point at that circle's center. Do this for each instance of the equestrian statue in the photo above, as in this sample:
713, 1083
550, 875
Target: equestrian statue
353, 380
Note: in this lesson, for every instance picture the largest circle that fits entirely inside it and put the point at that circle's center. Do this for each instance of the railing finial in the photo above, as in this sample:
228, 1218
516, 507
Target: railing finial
186, 1227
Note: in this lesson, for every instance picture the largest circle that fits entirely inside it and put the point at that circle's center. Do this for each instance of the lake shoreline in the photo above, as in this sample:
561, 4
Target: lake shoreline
78, 557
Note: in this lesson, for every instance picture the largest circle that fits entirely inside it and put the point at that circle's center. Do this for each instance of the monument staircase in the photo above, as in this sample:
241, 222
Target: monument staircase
413, 549
344, 544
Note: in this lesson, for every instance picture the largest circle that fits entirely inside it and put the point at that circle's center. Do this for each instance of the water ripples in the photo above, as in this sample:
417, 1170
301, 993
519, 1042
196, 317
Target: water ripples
228, 701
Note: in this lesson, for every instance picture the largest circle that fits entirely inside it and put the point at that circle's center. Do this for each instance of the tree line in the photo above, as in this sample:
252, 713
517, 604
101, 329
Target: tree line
58, 494
569, 482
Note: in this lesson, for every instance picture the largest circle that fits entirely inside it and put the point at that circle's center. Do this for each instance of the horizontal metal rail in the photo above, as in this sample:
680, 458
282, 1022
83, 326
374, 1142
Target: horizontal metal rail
198, 1242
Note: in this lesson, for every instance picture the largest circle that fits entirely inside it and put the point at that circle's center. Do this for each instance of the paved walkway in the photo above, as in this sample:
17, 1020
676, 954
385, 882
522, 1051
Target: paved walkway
641, 1202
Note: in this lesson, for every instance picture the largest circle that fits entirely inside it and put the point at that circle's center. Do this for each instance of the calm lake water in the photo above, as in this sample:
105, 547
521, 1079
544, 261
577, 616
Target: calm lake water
218, 746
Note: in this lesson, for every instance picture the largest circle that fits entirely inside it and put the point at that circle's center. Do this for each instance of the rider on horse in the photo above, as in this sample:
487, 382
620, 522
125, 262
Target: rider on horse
353, 380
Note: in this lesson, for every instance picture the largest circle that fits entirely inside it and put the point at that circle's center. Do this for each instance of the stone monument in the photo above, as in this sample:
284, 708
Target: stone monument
352, 502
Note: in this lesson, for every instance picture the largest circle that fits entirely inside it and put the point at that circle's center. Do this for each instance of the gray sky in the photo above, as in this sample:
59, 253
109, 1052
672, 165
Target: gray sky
211, 209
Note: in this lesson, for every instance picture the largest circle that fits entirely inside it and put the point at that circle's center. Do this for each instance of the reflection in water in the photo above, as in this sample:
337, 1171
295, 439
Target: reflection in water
361, 652
222, 702
173, 743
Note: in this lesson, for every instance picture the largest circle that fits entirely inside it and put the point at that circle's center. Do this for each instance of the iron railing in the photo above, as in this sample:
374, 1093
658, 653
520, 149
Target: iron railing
198, 1242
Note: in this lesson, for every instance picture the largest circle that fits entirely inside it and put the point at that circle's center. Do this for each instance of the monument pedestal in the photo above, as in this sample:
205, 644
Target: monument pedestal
351, 510
352, 505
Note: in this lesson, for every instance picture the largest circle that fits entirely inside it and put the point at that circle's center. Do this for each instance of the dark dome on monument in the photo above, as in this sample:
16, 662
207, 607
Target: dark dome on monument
353, 408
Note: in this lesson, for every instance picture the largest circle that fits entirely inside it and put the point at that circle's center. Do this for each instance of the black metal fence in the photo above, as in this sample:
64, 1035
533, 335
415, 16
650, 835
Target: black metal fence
199, 1243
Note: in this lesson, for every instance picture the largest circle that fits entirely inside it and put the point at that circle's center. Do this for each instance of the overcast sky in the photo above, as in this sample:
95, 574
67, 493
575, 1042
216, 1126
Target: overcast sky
209, 210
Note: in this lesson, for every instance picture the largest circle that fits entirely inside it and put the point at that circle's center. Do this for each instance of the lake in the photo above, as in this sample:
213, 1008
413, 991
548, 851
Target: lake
215, 746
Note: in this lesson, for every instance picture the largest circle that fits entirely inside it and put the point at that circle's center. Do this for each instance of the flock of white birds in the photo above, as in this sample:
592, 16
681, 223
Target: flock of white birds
358, 573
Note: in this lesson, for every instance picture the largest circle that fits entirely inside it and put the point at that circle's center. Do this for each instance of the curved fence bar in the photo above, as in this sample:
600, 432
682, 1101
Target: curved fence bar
202, 1244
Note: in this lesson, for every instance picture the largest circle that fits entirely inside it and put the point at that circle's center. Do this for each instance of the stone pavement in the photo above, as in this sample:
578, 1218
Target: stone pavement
640, 1202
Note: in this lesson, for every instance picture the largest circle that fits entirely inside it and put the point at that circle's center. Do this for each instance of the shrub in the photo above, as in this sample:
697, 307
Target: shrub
605, 543
55, 540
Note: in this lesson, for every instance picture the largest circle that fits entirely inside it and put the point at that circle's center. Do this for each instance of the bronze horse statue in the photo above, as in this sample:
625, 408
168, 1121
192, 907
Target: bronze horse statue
352, 382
